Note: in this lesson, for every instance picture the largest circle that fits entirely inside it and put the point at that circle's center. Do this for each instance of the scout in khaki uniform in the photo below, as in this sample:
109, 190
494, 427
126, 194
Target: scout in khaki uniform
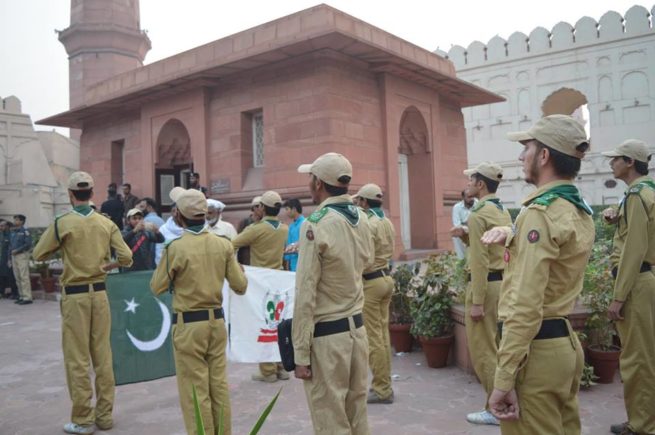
633, 307
329, 340
486, 266
539, 356
194, 268
266, 239
378, 286
85, 238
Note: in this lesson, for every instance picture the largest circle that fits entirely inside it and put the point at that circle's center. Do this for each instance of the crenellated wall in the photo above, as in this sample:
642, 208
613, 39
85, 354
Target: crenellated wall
607, 65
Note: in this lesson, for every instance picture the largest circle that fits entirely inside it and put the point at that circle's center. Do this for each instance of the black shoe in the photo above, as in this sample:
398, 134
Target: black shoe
25, 302
618, 428
18, 301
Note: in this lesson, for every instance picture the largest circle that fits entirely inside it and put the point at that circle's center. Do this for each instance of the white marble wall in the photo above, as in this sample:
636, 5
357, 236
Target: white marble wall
611, 65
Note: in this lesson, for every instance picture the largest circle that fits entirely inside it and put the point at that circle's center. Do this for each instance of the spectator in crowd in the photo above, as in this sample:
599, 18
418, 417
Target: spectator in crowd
150, 211
129, 200
194, 183
293, 209
113, 207
140, 236
170, 230
21, 245
461, 212
6, 272
215, 223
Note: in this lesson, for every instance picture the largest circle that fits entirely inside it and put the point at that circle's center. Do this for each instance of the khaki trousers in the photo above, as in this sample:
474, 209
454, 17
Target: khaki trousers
377, 297
270, 368
200, 361
547, 388
85, 330
637, 332
481, 336
336, 393
20, 263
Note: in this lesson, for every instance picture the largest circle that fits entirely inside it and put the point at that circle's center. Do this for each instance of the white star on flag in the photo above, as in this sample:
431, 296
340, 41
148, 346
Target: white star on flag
131, 305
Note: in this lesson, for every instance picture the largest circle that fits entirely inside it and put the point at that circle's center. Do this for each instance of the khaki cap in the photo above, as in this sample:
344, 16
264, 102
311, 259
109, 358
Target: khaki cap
80, 181
271, 199
492, 171
370, 191
256, 201
329, 168
560, 132
134, 211
190, 202
633, 148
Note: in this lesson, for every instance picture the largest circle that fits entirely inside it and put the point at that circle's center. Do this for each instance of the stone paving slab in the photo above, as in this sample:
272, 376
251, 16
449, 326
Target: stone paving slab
34, 399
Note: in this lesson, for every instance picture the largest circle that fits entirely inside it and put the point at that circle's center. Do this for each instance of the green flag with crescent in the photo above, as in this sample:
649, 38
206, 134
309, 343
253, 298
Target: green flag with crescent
140, 329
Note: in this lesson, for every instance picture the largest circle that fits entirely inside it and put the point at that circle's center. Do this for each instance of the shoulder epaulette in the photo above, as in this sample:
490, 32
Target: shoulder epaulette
317, 215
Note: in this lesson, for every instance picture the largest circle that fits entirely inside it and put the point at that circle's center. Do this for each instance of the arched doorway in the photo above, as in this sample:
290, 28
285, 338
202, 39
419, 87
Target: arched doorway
415, 182
567, 101
174, 161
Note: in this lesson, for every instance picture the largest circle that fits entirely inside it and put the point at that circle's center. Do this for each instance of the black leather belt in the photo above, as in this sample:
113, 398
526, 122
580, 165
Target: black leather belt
322, 329
493, 276
84, 288
198, 316
645, 267
377, 274
550, 328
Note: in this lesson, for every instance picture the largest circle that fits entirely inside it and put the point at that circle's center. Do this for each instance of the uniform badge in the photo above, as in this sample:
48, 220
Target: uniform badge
506, 256
309, 234
533, 236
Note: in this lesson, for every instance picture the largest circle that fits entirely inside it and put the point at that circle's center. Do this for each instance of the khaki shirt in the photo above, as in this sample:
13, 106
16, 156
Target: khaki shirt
548, 252
634, 239
85, 241
333, 254
384, 236
266, 240
484, 258
197, 264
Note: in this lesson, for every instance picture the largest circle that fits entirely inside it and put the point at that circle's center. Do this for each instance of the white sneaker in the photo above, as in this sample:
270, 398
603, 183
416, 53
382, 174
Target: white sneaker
482, 417
78, 429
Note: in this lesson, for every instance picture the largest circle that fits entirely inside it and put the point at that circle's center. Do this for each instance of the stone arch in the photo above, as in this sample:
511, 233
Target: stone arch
564, 101
173, 145
524, 106
605, 90
636, 20
634, 84
417, 227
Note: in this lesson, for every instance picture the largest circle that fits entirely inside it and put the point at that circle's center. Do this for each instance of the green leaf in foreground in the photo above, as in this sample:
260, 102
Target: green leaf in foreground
200, 427
262, 418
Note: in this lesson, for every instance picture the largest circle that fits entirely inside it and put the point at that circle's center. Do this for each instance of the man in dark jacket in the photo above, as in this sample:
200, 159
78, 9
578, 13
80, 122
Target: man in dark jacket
21, 245
6, 272
140, 237
113, 207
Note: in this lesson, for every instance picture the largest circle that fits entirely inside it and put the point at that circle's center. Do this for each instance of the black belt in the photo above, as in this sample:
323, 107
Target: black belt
84, 288
377, 274
645, 267
322, 329
198, 316
550, 328
493, 276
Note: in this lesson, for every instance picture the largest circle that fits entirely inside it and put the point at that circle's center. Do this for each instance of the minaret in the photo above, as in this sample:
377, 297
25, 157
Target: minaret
104, 39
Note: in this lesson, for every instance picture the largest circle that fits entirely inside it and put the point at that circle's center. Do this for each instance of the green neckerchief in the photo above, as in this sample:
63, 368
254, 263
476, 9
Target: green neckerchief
376, 211
84, 210
195, 229
272, 222
492, 199
565, 191
347, 210
635, 187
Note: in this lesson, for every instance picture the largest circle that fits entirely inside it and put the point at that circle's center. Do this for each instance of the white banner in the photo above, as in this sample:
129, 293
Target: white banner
252, 319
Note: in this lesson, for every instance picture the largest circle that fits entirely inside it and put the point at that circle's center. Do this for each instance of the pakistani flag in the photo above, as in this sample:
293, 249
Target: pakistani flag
140, 329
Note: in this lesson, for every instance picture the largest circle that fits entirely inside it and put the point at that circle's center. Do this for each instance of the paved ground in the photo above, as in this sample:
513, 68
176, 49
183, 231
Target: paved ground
34, 399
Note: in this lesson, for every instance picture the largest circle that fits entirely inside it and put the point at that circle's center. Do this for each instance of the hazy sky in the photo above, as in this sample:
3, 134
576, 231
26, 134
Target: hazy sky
34, 65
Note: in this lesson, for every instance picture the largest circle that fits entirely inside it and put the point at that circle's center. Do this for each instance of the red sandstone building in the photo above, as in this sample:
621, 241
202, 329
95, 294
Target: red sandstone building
246, 110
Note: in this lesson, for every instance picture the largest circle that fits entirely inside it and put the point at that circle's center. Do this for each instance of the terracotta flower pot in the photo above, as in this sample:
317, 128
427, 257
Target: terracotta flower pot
436, 350
35, 281
605, 363
49, 284
401, 339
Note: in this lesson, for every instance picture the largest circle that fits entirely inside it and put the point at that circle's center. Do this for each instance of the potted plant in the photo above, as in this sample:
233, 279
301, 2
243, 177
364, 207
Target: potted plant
431, 306
400, 317
597, 294
48, 282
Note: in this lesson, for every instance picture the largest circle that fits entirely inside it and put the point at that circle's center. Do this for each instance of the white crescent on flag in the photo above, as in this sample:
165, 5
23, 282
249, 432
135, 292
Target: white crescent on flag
157, 342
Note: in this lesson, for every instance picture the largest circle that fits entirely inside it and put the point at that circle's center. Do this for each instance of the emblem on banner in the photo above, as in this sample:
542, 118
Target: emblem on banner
274, 305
